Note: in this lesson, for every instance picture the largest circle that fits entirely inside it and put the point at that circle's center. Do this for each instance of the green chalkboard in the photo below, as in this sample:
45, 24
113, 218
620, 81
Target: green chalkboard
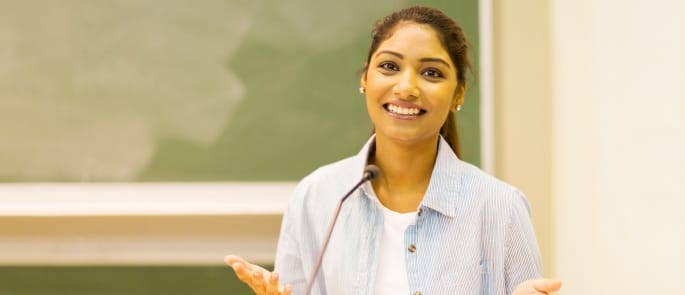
191, 91
121, 280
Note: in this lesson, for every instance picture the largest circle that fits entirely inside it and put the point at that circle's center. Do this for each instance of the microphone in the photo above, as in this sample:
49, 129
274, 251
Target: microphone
370, 172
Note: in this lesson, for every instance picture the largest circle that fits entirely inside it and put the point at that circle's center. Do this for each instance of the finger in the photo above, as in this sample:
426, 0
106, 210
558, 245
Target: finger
265, 272
231, 259
546, 285
242, 273
258, 282
288, 290
272, 284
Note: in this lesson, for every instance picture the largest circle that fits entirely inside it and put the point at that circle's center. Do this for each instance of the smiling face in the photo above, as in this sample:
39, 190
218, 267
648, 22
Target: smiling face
411, 85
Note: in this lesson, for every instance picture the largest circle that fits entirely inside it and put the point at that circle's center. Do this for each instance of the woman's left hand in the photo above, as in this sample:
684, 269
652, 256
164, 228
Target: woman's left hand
539, 286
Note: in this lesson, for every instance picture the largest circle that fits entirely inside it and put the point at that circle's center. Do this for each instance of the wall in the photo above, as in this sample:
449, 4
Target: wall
618, 139
590, 102
523, 105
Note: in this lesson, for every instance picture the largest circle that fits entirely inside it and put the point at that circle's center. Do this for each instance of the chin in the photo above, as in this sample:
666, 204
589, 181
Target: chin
407, 136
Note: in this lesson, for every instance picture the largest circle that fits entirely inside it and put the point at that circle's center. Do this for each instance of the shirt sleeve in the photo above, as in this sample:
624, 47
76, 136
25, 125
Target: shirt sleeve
288, 263
522, 259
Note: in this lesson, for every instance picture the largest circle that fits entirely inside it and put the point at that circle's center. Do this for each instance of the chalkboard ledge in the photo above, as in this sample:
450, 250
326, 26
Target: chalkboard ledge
144, 199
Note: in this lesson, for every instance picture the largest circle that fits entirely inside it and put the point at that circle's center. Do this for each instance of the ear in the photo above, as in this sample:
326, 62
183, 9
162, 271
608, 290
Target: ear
458, 98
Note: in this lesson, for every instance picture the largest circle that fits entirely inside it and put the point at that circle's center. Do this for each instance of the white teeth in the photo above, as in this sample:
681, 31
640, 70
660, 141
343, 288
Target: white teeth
403, 111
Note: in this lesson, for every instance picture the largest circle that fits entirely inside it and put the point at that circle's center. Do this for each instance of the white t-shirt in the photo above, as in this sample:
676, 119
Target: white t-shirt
391, 273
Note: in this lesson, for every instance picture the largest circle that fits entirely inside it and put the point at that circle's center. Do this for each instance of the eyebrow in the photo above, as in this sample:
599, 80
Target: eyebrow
425, 59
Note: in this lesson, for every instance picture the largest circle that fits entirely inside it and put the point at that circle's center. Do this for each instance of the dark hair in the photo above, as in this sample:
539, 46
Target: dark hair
453, 40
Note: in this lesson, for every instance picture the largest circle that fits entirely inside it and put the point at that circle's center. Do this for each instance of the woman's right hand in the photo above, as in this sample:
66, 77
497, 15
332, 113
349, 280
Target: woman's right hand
259, 279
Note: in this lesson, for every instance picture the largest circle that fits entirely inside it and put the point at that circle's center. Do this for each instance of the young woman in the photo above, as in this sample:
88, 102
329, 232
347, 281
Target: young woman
430, 224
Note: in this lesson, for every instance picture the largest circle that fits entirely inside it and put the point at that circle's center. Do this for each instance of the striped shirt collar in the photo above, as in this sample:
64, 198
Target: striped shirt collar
443, 188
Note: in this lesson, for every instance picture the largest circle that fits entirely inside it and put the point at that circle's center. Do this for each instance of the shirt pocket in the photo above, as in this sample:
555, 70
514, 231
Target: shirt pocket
462, 280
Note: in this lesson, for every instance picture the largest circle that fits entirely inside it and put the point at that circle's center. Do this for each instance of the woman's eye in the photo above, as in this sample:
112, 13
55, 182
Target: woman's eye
433, 73
389, 66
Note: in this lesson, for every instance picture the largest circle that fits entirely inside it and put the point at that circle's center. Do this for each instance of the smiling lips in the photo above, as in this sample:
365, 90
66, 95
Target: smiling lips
403, 112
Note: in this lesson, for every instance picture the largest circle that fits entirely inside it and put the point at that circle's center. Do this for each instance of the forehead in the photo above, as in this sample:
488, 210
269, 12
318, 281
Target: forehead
415, 41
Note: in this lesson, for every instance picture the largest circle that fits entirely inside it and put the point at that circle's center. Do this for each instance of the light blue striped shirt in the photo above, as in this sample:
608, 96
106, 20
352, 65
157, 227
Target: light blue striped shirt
473, 234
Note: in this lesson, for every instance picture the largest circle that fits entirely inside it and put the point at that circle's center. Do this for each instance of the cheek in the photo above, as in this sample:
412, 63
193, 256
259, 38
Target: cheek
443, 90
439, 96
373, 108
378, 85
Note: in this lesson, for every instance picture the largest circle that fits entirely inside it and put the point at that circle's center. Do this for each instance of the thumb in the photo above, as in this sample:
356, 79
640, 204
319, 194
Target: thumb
546, 285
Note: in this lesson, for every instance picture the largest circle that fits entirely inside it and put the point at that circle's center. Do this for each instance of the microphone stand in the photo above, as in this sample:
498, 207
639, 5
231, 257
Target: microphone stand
370, 172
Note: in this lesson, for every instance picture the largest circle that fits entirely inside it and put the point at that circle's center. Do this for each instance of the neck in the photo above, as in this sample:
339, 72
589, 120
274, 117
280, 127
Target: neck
407, 168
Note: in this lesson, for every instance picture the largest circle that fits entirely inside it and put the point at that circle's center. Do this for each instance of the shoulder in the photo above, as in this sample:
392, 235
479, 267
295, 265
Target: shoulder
494, 193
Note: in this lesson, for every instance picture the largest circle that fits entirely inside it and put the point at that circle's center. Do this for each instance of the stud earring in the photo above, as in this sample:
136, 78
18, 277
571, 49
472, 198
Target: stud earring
362, 90
458, 108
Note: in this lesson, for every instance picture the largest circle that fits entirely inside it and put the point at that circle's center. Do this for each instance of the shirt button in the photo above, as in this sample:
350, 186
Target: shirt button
417, 293
412, 249
420, 211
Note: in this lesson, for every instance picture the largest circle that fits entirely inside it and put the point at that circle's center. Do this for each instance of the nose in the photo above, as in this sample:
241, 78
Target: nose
406, 87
